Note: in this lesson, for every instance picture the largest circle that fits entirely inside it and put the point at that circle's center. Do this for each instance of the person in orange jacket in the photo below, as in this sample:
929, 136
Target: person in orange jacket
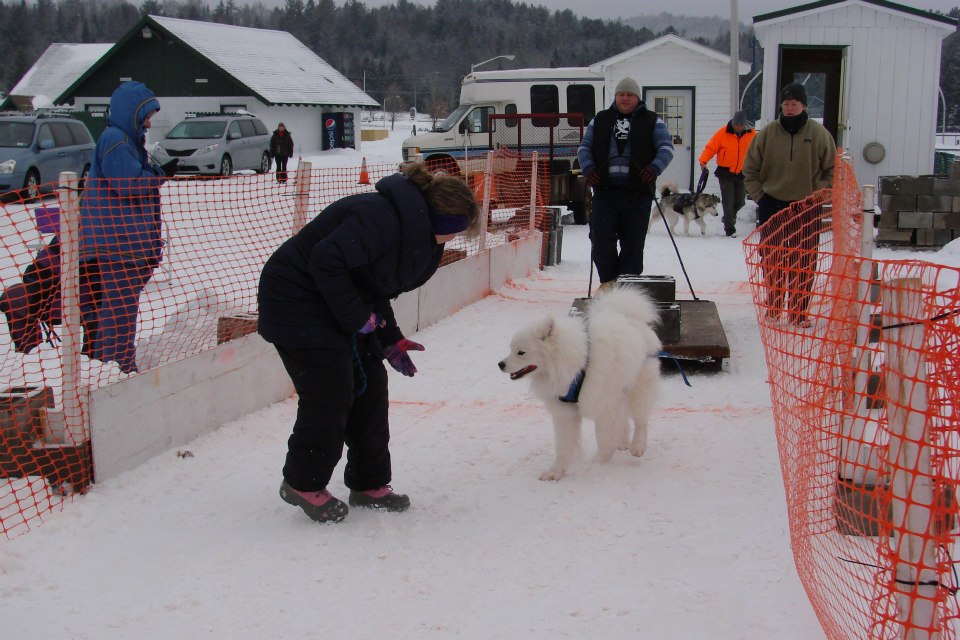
729, 144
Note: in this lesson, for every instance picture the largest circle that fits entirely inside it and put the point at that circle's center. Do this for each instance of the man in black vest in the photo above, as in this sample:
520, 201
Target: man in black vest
623, 151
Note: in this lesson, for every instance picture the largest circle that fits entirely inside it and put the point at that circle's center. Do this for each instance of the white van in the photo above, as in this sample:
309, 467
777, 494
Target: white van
464, 134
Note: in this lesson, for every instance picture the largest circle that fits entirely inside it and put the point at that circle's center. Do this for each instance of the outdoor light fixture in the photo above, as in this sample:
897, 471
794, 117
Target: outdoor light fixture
508, 56
146, 33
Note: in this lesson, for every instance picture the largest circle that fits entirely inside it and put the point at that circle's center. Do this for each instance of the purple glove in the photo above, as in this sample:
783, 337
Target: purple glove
648, 174
373, 323
593, 178
396, 354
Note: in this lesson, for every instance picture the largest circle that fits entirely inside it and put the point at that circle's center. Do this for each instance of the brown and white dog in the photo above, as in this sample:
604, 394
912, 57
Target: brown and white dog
701, 206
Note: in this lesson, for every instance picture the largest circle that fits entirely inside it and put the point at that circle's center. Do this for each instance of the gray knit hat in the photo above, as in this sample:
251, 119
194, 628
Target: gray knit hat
627, 85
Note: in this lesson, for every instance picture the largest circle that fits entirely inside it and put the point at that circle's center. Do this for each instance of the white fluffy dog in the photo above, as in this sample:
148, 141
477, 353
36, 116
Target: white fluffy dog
614, 348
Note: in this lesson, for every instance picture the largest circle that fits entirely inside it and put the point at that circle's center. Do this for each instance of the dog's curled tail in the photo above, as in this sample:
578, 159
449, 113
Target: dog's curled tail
630, 302
667, 188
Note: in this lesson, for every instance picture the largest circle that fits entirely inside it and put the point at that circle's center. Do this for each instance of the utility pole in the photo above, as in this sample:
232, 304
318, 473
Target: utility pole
734, 58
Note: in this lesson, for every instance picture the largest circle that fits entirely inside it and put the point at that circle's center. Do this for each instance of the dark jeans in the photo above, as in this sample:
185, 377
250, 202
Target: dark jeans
619, 216
733, 195
329, 415
109, 304
788, 251
281, 170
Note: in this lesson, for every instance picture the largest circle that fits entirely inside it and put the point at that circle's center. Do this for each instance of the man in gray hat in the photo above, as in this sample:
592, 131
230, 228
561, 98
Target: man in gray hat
729, 144
623, 151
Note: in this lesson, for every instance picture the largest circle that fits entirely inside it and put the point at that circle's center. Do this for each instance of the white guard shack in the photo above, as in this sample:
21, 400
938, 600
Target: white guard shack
871, 69
688, 85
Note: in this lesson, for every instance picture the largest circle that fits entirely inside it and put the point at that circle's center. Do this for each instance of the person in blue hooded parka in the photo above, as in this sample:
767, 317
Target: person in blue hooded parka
120, 243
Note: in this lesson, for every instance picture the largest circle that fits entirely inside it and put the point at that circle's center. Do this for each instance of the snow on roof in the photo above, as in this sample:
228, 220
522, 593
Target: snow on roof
59, 67
274, 64
670, 38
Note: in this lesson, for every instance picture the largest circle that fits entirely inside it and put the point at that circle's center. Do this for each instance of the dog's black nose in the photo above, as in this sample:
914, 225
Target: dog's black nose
502, 365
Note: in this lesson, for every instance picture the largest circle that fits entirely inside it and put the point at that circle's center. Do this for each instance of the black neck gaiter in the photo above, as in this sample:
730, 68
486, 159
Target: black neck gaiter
794, 123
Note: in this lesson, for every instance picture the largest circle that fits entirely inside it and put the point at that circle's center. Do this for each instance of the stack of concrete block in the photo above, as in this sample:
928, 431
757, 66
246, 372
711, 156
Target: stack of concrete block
922, 211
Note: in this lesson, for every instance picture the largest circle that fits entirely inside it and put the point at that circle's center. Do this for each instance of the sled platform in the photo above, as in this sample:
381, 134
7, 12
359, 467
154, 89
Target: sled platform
702, 341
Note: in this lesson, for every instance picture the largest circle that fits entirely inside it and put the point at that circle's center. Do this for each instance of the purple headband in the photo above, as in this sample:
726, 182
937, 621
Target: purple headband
444, 223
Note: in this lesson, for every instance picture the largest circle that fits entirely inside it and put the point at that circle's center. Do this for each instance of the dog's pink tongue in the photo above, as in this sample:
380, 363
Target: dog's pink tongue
519, 374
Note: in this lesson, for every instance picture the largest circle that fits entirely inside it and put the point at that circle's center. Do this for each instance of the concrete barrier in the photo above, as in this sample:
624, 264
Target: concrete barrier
170, 405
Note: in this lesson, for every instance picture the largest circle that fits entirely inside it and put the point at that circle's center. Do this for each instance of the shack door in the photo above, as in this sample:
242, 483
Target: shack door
819, 70
675, 108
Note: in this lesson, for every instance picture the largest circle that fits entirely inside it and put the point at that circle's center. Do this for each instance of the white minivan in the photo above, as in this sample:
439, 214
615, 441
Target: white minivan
218, 144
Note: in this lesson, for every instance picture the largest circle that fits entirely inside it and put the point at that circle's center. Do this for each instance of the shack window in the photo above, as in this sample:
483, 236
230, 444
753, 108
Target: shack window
544, 98
581, 99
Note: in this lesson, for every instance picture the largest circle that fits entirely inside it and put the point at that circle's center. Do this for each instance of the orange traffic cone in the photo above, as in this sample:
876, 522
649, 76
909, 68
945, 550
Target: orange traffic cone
364, 177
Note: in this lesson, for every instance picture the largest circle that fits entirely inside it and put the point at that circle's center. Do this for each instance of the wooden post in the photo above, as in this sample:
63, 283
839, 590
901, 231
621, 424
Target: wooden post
912, 492
859, 461
301, 198
485, 211
73, 404
533, 190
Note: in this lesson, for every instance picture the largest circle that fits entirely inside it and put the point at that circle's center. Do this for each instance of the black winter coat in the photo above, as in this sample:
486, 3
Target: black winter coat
320, 286
281, 145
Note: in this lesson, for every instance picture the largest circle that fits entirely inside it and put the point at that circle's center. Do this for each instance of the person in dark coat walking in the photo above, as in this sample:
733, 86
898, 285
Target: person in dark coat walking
623, 151
324, 303
281, 148
120, 242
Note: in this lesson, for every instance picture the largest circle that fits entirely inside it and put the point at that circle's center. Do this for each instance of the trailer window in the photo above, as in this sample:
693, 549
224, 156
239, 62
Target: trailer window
544, 98
451, 120
581, 99
510, 110
478, 121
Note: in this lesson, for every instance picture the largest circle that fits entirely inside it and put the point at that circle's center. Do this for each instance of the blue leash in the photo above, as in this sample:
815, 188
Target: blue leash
664, 354
358, 367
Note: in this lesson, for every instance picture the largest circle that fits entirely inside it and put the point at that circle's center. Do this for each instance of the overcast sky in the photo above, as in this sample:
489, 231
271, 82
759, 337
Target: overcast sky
611, 9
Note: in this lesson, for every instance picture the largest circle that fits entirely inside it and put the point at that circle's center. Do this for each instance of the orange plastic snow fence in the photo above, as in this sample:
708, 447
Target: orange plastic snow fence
184, 280
864, 364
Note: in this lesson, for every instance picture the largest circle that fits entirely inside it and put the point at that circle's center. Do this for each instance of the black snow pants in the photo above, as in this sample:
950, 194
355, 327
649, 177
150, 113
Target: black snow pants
330, 415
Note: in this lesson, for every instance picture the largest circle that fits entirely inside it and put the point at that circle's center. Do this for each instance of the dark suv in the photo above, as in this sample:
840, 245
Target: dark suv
36, 147
218, 144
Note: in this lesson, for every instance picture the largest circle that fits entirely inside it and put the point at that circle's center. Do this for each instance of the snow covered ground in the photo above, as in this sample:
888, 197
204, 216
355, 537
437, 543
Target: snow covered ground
690, 541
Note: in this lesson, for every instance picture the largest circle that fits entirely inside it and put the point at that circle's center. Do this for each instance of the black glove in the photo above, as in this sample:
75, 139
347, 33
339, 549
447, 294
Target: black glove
648, 174
593, 178
170, 168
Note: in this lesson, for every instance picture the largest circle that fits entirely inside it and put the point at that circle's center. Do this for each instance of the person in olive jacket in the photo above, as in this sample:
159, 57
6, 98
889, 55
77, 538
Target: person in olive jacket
324, 303
281, 148
790, 159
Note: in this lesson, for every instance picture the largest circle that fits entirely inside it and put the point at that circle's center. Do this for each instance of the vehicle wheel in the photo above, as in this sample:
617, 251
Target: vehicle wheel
226, 166
264, 163
84, 175
32, 184
443, 164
